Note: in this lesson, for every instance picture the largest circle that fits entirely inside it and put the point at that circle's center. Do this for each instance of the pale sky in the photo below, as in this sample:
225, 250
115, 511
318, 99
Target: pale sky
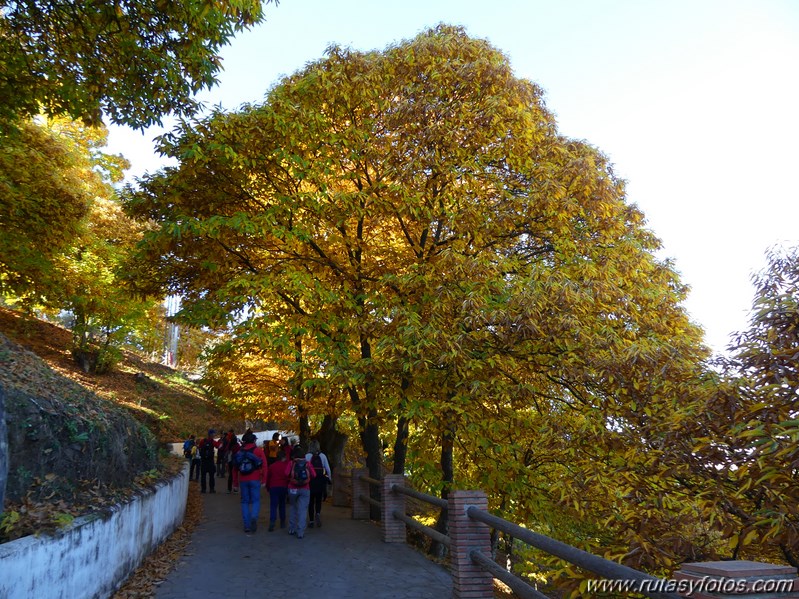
696, 103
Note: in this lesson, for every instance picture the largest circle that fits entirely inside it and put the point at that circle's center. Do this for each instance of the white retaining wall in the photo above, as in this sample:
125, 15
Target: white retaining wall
92, 557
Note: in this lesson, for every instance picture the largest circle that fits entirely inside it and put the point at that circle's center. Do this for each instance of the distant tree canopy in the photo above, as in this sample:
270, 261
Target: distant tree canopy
54, 178
64, 232
754, 419
132, 61
61, 230
43, 201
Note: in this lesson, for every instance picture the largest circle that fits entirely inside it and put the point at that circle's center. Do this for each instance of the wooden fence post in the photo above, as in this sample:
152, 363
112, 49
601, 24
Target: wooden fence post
467, 535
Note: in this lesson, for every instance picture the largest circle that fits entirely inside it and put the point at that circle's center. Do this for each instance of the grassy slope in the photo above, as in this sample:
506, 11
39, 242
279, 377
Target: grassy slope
168, 403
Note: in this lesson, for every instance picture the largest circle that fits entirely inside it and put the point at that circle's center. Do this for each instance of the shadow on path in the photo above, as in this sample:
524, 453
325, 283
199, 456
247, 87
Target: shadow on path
343, 559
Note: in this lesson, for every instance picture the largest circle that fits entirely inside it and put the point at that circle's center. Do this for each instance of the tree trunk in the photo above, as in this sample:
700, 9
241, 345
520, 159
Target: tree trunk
305, 427
331, 441
401, 442
370, 443
401, 445
447, 476
369, 428
300, 393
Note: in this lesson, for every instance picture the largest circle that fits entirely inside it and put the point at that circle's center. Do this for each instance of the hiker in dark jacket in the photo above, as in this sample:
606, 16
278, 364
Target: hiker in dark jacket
206, 447
318, 461
232, 473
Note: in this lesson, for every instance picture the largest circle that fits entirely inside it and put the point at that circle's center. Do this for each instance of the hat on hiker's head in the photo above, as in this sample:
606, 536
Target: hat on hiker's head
248, 437
211, 431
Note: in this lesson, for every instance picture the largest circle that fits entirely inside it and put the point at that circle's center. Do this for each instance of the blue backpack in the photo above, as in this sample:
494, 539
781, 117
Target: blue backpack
299, 473
246, 461
187, 445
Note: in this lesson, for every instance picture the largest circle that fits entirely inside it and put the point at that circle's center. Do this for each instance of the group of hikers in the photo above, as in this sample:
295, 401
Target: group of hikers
292, 476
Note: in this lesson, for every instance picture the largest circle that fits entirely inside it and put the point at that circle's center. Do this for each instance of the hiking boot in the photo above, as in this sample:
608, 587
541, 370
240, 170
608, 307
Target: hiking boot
299, 536
291, 531
310, 524
318, 521
254, 525
247, 530
271, 526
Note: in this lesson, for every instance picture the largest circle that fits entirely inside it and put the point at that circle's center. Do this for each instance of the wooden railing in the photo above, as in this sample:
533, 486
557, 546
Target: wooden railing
473, 569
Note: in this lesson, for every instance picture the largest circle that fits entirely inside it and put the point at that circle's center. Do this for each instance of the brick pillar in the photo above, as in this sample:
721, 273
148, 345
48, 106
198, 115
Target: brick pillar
466, 535
739, 578
360, 508
393, 530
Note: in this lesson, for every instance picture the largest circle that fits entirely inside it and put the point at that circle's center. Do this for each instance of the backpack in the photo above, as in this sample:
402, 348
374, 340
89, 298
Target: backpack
246, 461
299, 473
207, 450
187, 445
316, 462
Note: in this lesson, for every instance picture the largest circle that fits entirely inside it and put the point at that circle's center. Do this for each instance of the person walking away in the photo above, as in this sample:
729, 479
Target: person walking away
187, 445
272, 448
322, 476
286, 447
278, 488
221, 455
207, 465
195, 463
299, 492
253, 474
233, 473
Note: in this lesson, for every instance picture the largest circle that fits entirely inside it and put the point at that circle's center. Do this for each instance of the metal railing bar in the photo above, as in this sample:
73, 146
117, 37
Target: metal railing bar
437, 501
430, 532
517, 585
578, 557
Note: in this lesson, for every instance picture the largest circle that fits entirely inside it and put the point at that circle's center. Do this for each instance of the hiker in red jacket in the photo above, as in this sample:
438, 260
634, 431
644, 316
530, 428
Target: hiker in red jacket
278, 489
300, 474
251, 464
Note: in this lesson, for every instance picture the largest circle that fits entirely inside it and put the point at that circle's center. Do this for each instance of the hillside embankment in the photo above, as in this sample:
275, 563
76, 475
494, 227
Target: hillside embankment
78, 443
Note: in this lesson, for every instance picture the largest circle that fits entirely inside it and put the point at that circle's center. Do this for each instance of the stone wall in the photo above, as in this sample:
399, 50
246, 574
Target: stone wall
94, 555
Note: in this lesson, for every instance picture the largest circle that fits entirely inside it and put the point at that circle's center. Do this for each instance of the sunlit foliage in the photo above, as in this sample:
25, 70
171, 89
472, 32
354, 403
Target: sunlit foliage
129, 61
408, 229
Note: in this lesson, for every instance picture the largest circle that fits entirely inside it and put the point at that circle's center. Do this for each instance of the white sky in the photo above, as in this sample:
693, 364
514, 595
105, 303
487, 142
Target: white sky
696, 102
